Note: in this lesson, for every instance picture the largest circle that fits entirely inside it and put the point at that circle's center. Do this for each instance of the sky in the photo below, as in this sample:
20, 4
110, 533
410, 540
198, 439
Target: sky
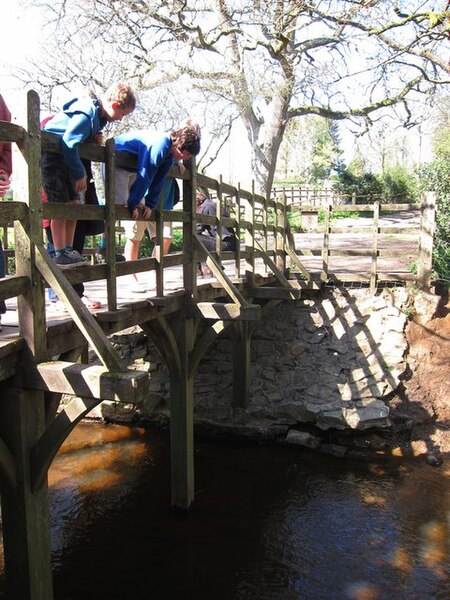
19, 39
21, 36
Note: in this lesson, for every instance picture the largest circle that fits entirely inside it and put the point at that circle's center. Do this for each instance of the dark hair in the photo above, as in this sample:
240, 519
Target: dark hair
187, 138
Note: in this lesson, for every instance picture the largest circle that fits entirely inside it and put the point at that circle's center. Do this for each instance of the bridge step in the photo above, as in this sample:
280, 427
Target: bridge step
226, 312
87, 381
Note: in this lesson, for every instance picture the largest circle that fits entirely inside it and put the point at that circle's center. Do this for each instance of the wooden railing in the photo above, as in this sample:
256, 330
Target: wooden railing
260, 226
377, 239
311, 195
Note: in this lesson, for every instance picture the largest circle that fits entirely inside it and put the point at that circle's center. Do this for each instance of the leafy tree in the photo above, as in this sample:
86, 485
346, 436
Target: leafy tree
366, 186
436, 177
326, 152
266, 62
399, 185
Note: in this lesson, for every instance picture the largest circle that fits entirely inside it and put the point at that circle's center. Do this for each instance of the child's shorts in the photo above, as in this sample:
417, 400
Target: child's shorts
56, 180
135, 230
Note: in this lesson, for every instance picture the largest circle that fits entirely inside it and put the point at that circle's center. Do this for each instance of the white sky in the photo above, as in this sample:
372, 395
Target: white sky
19, 38
21, 35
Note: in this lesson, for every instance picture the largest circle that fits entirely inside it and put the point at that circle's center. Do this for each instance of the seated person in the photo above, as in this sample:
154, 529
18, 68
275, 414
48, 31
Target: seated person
208, 233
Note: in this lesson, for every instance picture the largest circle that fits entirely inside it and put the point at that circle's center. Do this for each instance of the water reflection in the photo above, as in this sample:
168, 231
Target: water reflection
267, 524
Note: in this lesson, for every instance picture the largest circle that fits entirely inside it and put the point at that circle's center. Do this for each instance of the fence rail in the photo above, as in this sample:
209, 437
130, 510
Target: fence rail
304, 195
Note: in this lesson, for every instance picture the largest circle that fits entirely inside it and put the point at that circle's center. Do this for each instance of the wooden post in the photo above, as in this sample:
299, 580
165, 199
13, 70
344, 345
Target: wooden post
5, 247
266, 224
190, 206
159, 248
25, 514
110, 224
283, 235
427, 227
31, 306
182, 418
374, 261
241, 364
238, 231
326, 243
249, 239
219, 213
26, 528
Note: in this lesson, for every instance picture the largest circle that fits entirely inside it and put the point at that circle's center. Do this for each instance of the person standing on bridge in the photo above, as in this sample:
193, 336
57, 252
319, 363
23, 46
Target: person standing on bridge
141, 188
5, 174
63, 175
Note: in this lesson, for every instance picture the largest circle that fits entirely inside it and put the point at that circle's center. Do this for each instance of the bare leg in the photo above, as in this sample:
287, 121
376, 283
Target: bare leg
58, 229
132, 252
70, 231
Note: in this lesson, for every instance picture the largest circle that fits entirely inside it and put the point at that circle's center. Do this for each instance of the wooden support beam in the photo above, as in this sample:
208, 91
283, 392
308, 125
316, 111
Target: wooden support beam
427, 227
238, 232
110, 224
289, 247
374, 254
25, 513
45, 449
204, 342
218, 272
31, 304
226, 312
8, 475
79, 313
273, 267
12, 133
14, 286
87, 381
164, 339
326, 242
13, 211
190, 206
158, 249
182, 418
279, 293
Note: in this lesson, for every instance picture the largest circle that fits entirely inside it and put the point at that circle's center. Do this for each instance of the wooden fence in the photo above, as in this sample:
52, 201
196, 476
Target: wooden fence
309, 195
356, 250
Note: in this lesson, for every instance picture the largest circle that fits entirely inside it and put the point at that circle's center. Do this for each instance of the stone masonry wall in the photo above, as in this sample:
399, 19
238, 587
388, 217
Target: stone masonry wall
332, 362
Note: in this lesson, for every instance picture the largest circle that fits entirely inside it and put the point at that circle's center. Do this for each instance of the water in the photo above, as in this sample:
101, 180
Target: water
268, 523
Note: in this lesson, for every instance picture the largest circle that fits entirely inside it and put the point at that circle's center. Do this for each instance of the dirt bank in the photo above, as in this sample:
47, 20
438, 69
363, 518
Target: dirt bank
427, 382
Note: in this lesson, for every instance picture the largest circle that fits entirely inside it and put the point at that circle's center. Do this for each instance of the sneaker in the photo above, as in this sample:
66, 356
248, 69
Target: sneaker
76, 255
65, 260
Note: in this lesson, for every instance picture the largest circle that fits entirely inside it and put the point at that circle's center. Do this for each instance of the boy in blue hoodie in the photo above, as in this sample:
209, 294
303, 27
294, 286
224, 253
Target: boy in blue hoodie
140, 188
63, 175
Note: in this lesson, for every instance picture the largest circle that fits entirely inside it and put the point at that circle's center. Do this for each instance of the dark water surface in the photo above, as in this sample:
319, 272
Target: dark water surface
268, 523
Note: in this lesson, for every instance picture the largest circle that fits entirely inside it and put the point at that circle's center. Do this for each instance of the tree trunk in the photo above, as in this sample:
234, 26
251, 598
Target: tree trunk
265, 139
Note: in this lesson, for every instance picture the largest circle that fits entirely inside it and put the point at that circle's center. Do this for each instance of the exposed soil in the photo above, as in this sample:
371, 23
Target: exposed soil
426, 398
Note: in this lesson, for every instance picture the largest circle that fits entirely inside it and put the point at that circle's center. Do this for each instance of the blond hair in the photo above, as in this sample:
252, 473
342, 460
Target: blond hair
121, 93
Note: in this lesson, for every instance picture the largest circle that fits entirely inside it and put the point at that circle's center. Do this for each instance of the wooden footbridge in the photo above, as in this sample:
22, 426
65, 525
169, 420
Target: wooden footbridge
42, 359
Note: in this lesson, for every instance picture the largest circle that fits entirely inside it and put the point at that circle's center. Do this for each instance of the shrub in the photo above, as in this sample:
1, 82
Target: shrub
435, 177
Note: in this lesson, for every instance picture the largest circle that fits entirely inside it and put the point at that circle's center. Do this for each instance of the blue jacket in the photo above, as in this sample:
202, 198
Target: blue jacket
152, 151
79, 120
170, 193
